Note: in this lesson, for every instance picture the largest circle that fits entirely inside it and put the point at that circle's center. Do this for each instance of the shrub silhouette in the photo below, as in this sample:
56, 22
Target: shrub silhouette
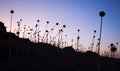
2, 31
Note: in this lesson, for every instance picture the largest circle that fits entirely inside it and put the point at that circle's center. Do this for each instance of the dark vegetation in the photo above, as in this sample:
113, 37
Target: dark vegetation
18, 54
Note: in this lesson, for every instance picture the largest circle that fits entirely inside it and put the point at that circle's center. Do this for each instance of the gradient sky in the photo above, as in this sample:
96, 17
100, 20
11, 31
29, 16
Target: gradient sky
75, 14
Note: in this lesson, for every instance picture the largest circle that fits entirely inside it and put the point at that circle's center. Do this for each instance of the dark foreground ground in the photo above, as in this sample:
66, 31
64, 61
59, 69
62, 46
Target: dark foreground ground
18, 54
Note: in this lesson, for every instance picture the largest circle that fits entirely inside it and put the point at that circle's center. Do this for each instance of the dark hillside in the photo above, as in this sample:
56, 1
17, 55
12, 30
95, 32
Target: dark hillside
17, 54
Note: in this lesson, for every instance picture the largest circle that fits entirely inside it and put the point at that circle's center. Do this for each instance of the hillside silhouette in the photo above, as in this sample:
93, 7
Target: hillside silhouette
18, 54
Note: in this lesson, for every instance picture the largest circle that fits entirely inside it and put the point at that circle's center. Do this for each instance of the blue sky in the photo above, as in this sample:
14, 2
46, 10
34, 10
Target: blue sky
75, 14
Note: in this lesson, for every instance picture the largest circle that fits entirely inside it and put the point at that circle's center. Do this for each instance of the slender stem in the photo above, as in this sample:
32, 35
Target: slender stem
11, 23
100, 36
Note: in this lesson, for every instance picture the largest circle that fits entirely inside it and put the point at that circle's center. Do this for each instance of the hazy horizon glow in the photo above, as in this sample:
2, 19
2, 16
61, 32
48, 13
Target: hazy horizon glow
75, 14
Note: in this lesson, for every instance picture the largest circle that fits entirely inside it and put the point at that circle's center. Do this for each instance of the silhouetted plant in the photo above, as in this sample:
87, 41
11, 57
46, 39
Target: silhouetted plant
11, 11
77, 40
51, 31
36, 26
72, 42
61, 40
101, 14
58, 34
38, 30
92, 45
18, 31
65, 40
113, 49
45, 33
24, 31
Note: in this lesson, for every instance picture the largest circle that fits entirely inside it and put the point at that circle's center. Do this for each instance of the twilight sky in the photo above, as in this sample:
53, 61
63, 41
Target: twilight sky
75, 14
